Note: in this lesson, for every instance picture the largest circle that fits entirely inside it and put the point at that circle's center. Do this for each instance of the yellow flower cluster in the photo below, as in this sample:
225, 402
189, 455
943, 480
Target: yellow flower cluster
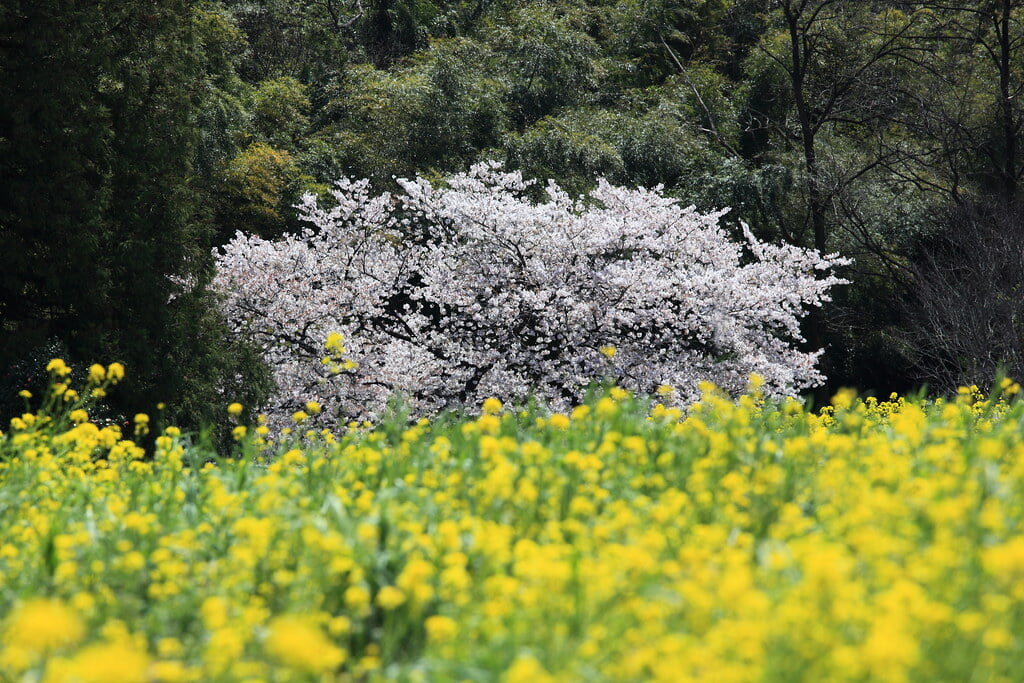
337, 361
744, 540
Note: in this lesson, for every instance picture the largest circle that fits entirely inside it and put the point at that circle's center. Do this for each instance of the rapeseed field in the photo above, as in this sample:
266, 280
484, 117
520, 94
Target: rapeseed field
745, 540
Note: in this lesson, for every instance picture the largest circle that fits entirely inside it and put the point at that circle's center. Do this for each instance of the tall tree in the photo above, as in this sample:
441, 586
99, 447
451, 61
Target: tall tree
55, 165
963, 116
100, 203
836, 58
820, 89
960, 143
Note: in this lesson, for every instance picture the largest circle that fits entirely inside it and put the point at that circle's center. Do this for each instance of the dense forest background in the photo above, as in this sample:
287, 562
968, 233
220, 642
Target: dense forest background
136, 136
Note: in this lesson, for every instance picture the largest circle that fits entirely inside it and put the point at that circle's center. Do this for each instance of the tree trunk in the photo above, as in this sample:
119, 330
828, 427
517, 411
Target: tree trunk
1009, 170
814, 323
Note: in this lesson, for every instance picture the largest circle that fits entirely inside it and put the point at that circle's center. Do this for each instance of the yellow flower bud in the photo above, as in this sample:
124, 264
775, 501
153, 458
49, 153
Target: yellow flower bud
97, 373
58, 367
115, 372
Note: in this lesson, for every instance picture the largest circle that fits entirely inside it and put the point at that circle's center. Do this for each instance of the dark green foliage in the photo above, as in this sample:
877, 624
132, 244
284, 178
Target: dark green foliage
102, 222
434, 113
24, 369
547, 59
658, 147
56, 149
279, 107
659, 35
299, 38
567, 149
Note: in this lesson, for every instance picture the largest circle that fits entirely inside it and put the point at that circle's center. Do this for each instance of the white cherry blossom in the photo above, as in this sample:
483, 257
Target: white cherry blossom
449, 294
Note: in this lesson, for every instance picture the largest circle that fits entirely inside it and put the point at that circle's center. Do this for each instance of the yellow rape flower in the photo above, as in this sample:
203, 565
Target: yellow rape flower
754, 382
298, 644
559, 421
440, 628
390, 597
357, 597
114, 662
97, 373
606, 407
526, 669
43, 625
171, 672
339, 626
58, 367
335, 343
214, 612
115, 372
169, 647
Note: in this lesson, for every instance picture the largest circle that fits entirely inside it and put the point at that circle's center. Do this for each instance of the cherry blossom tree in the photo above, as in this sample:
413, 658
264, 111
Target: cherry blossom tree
449, 294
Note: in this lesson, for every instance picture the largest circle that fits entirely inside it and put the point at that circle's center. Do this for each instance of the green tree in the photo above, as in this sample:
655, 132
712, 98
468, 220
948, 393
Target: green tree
279, 111
55, 162
102, 208
964, 118
437, 112
223, 117
834, 60
259, 188
654, 35
548, 58
305, 39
